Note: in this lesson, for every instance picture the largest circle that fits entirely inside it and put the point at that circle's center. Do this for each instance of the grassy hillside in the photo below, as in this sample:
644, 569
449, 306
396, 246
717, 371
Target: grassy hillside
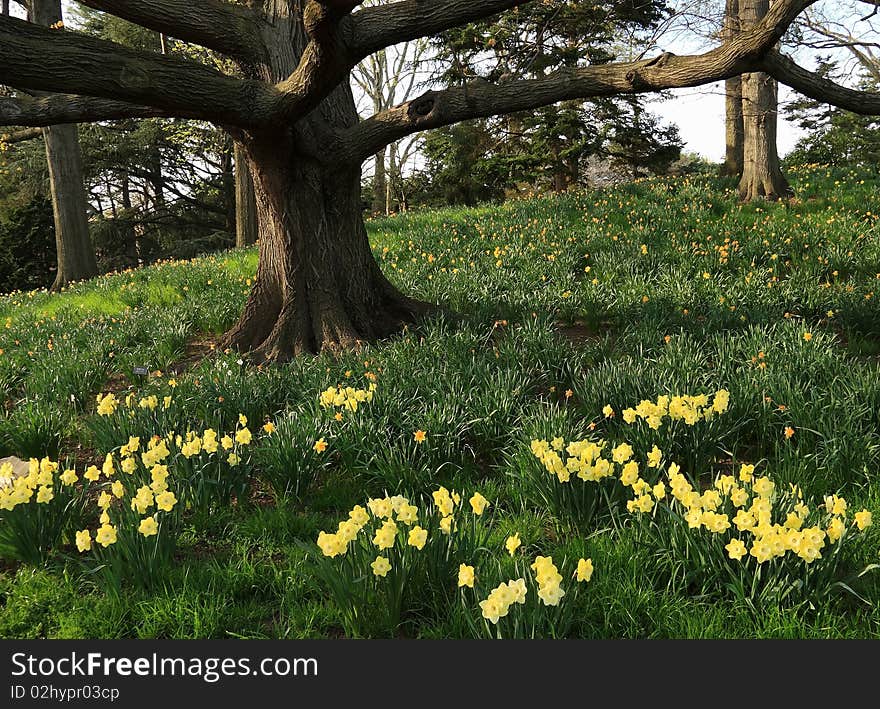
576, 309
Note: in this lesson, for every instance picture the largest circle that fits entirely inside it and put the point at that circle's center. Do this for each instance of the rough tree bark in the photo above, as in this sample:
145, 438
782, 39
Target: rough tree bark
734, 131
762, 176
318, 285
75, 252
246, 227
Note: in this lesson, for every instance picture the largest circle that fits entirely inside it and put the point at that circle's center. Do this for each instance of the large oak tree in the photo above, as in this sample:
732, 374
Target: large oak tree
291, 108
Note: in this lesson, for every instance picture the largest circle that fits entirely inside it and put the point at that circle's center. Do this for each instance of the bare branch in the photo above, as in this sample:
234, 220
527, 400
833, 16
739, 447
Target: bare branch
33, 57
56, 109
819, 88
225, 27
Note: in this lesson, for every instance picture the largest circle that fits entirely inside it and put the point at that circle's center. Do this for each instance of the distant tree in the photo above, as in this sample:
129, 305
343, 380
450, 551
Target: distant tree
387, 78
75, 253
762, 176
734, 133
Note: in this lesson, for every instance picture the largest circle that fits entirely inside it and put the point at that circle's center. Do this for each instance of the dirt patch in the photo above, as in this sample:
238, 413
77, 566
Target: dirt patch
197, 350
580, 332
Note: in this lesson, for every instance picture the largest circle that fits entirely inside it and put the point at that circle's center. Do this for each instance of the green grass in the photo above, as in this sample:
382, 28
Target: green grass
614, 296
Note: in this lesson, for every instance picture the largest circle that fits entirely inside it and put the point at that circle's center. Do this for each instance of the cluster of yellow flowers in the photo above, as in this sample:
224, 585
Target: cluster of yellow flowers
585, 460
38, 485
747, 503
157, 493
549, 580
346, 397
384, 509
498, 604
108, 403
386, 513
547, 576
689, 409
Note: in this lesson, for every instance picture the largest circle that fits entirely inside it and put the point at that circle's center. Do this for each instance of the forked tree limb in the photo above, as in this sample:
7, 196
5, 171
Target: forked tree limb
226, 27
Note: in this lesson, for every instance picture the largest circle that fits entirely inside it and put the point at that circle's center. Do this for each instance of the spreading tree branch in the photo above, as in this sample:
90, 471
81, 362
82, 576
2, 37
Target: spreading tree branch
55, 109
481, 99
819, 88
381, 26
226, 27
33, 57
339, 40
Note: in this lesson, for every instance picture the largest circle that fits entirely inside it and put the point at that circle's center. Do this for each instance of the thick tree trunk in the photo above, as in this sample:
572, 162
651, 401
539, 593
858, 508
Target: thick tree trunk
380, 185
762, 176
76, 254
318, 286
246, 227
734, 131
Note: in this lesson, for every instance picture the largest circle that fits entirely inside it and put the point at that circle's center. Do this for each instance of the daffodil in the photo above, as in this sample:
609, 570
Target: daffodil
512, 543
478, 503
381, 566
863, 519
83, 540
148, 526
417, 537
465, 575
106, 535
584, 570
736, 549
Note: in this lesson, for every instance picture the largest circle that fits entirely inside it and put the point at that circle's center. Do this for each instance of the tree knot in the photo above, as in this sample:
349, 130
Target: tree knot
422, 107
134, 77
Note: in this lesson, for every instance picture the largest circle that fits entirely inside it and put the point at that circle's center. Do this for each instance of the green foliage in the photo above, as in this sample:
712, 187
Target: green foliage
548, 148
27, 246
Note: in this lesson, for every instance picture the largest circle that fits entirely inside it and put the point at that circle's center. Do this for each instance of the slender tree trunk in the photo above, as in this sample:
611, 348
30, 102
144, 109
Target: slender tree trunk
76, 255
75, 252
4, 10
380, 184
762, 176
393, 192
132, 247
229, 187
157, 181
318, 285
734, 132
245, 201
113, 211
